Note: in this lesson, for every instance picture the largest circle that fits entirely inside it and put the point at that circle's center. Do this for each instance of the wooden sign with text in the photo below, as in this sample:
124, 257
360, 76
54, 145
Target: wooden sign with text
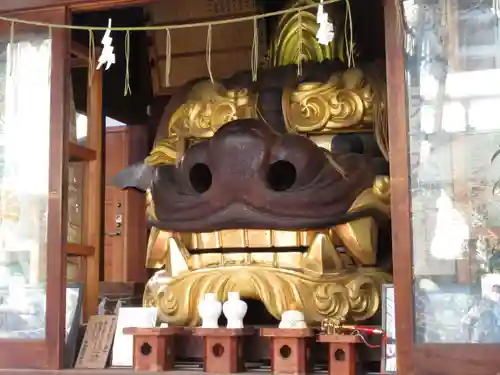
96, 344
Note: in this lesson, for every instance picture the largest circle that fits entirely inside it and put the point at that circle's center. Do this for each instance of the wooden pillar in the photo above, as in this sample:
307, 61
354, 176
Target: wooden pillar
93, 195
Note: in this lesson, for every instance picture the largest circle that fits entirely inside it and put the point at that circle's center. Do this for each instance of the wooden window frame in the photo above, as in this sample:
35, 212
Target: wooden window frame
48, 353
415, 358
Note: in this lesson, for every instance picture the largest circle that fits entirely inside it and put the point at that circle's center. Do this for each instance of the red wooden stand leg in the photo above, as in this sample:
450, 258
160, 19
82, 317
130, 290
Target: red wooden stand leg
223, 355
290, 352
342, 359
223, 349
342, 353
153, 348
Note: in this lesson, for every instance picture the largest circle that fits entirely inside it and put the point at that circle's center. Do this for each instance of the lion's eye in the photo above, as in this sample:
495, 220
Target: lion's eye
295, 161
281, 175
200, 177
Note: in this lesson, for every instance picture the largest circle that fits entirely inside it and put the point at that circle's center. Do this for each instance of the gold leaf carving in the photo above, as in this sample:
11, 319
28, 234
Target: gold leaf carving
340, 296
295, 36
209, 107
344, 103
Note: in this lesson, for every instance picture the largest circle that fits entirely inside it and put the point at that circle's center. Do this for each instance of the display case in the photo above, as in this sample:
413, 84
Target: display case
444, 86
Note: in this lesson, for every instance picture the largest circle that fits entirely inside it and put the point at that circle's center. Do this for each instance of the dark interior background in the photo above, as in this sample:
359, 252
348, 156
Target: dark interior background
141, 107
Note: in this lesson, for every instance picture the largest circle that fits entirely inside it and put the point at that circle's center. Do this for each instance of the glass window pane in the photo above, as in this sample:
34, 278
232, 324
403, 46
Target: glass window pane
78, 121
453, 86
24, 180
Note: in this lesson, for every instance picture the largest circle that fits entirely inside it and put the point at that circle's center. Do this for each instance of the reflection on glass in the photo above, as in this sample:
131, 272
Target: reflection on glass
75, 200
75, 269
453, 77
75, 176
389, 359
78, 121
81, 128
72, 125
24, 182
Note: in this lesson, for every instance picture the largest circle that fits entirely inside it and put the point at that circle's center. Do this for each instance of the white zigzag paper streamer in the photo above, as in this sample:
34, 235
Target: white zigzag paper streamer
325, 31
107, 55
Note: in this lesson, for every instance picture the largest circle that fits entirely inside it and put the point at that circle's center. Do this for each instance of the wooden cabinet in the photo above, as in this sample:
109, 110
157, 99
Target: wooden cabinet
125, 226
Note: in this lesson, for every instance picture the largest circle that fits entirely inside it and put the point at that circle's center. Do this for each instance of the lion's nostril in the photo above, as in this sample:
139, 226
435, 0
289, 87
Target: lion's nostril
281, 175
200, 177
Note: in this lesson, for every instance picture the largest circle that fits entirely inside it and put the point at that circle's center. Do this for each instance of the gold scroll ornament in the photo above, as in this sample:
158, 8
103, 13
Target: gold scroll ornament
344, 103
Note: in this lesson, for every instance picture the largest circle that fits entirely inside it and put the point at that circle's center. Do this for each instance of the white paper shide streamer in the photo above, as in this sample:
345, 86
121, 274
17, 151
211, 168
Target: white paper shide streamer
325, 30
107, 55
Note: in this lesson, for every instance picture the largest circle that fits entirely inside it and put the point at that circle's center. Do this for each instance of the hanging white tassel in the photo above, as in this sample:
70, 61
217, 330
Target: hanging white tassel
325, 31
117, 307
101, 309
107, 55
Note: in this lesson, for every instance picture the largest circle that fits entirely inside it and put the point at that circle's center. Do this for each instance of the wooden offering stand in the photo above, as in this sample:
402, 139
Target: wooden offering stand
223, 349
153, 348
342, 352
290, 351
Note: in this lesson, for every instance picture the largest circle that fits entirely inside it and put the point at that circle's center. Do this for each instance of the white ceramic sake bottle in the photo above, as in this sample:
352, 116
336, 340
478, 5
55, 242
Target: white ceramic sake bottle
234, 310
292, 318
210, 309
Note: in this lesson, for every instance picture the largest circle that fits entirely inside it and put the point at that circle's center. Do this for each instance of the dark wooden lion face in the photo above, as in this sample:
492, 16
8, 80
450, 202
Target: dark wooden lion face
250, 176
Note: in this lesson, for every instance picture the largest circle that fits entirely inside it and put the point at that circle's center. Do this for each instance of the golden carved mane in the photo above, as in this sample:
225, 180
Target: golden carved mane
350, 100
295, 35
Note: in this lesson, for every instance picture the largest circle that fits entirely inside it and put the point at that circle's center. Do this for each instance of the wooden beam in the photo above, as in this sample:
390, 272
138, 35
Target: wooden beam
94, 195
400, 189
8, 6
80, 153
57, 217
220, 51
79, 250
80, 55
82, 51
78, 64
79, 50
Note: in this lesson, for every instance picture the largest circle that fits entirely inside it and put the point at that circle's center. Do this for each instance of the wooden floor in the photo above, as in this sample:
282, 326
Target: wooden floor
112, 371
127, 371
181, 368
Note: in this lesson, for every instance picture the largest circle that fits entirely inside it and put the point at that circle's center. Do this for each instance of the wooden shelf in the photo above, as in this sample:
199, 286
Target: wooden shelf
80, 153
79, 250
